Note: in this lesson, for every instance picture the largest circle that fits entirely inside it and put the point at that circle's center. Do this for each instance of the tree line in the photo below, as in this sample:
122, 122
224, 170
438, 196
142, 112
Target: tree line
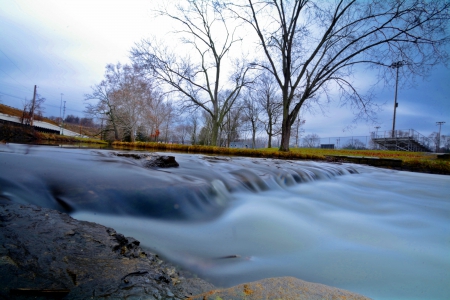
212, 88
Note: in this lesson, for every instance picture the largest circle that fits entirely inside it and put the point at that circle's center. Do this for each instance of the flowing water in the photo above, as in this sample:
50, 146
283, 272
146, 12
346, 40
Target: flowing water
381, 233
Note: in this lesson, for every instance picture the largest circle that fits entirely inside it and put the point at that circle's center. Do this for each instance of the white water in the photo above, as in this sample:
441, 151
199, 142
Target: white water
384, 234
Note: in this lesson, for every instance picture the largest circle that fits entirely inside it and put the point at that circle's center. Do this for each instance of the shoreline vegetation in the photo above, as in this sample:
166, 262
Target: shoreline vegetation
399, 160
16, 134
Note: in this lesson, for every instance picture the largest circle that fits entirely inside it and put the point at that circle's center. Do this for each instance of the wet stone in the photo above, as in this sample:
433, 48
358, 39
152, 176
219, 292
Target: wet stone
280, 288
161, 162
85, 260
151, 160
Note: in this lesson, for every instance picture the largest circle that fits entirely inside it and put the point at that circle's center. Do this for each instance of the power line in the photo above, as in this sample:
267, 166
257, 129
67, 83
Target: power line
14, 64
44, 104
66, 108
11, 96
15, 87
14, 79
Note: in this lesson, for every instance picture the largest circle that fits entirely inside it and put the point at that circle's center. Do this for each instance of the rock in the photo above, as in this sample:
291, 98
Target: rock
279, 288
161, 162
151, 160
45, 253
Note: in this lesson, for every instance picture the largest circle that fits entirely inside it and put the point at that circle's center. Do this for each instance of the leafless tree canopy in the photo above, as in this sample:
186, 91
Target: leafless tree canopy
128, 102
308, 53
251, 111
313, 47
311, 141
32, 110
266, 94
198, 78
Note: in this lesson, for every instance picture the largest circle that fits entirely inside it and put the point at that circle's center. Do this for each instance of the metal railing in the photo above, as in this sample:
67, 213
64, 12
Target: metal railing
403, 135
409, 133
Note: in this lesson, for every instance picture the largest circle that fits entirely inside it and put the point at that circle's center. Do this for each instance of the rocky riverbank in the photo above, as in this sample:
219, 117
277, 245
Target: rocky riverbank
47, 254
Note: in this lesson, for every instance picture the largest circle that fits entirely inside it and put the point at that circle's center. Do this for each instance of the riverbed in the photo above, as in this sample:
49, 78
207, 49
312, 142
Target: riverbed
381, 233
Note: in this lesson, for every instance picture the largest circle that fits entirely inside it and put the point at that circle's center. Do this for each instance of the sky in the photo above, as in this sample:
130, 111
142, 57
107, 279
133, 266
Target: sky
63, 46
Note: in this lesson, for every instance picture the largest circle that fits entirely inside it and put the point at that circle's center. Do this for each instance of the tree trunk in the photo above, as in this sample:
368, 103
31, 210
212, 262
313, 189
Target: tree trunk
253, 135
269, 144
132, 135
116, 131
254, 140
214, 133
285, 135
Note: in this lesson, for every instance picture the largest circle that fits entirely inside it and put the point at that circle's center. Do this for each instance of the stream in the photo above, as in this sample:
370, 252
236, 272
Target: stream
381, 233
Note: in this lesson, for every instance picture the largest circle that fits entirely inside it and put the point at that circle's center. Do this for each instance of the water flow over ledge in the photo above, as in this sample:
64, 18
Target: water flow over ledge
384, 234
111, 182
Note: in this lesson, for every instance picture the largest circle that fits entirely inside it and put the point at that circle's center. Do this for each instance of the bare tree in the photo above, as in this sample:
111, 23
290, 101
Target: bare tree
105, 107
32, 110
194, 124
198, 78
311, 141
298, 130
251, 110
313, 47
204, 136
354, 144
126, 100
264, 89
168, 118
129, 97
446, 143
182, 132
434, 138
229, 131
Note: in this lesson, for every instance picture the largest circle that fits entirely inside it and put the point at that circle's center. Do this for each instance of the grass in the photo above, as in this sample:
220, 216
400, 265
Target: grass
411, 161
73, 127
214, 150
403, 155
69, 139
25, 134
8, 110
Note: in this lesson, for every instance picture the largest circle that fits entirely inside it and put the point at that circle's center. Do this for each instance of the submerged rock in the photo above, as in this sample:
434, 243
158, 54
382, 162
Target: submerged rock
151, 160
279, 288
161, 162
45, 253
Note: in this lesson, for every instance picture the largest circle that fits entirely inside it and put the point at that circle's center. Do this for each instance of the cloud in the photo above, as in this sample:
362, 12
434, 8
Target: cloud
64, 46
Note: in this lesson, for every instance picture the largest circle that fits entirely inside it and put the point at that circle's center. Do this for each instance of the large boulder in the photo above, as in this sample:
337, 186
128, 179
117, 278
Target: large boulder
45, 253
285, 288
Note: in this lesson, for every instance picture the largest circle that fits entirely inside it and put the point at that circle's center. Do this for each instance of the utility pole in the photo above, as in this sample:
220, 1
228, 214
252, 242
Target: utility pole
32, 107
60, 115
60, 106
376, 135
396, 65
438, 146
64, 112
376, 132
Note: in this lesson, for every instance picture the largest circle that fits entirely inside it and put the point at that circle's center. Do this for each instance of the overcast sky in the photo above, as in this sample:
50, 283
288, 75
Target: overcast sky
63, 46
